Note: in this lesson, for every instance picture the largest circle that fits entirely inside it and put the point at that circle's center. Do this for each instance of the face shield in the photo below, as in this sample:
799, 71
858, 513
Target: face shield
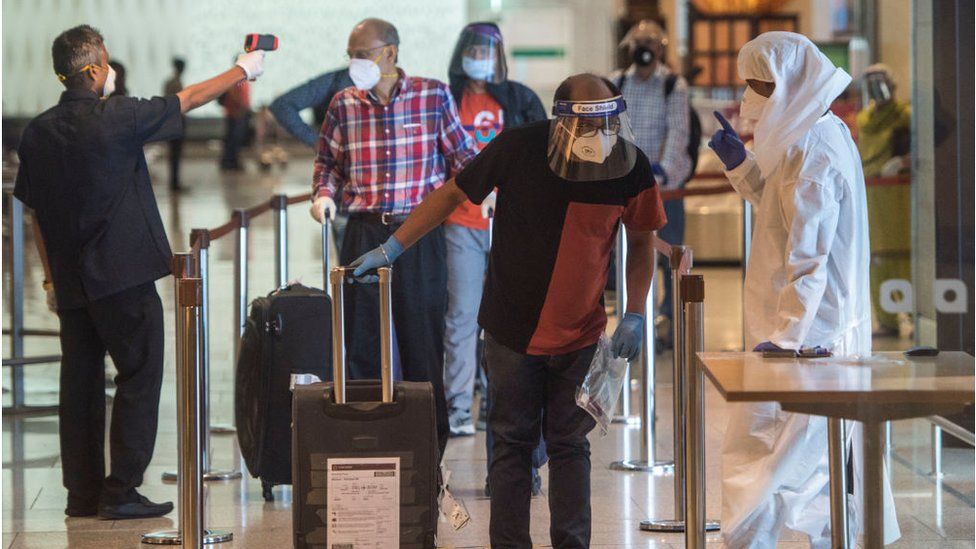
591, 140
479, 54
877, 87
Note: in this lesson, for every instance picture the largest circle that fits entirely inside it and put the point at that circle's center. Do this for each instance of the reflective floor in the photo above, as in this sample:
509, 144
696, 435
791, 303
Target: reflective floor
932, 513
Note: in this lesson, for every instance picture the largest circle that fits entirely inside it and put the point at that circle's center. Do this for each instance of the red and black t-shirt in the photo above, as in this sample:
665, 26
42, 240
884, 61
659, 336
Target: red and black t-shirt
551, 241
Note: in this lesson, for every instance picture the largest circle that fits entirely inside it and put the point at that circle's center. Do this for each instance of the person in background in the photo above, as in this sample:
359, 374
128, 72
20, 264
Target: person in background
237, 119
174, 86
101, 241
489, 103
564, 188
806, 286
120, 88
657, 100
387, 143
884, 140
316, 94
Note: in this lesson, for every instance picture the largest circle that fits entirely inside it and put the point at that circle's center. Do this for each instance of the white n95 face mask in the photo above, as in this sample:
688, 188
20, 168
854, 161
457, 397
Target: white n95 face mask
752, 104
109, 87
365, 74
595, 148
478, 69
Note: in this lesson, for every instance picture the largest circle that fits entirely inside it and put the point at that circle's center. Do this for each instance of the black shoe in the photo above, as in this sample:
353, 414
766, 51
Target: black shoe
143, 508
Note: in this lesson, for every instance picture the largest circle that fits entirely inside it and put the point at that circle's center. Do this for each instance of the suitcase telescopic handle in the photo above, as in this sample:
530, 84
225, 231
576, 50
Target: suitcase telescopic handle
337, 278
326, 225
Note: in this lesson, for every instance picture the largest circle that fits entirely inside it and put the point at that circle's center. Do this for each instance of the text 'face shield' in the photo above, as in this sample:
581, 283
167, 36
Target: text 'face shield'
591, 140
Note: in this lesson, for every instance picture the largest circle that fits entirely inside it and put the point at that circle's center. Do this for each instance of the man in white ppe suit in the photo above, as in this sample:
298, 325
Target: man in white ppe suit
806, 285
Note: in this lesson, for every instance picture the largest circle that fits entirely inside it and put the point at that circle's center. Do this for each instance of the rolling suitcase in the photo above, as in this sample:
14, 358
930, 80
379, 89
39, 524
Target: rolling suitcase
288, 333
365, 454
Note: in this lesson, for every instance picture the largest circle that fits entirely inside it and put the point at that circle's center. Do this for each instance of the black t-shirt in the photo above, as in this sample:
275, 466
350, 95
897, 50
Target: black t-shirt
83, 172
551, 241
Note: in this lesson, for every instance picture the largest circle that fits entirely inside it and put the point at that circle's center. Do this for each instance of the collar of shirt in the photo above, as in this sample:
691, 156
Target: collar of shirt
660, 71
368, 95
77, 95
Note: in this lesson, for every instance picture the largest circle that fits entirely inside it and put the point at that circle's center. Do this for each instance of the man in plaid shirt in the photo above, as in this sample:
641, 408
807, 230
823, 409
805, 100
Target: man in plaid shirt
385, 144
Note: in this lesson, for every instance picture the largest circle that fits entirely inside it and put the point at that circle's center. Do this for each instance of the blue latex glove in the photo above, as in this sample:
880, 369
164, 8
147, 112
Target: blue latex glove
726, 144
627, 338
660, 176
767, 346
382, 256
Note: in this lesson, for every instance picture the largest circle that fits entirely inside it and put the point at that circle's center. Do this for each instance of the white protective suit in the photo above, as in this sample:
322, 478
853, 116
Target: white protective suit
806, 285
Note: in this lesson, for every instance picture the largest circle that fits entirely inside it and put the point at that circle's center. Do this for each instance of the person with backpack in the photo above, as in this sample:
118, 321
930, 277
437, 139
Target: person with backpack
657, 100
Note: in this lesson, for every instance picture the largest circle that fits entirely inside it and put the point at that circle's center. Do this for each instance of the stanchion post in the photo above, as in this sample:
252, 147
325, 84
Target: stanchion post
279, 203
623, 412
693, 296
17, 300
746, 250
648, 455
678, 379
240, 279
686, 345
190, 531
936, 452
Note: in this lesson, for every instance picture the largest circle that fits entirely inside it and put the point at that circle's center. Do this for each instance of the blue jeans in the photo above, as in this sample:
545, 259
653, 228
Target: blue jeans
533, 396
467, 261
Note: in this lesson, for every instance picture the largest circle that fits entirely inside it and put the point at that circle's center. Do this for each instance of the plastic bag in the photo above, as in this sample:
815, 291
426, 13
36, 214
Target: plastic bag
601, 388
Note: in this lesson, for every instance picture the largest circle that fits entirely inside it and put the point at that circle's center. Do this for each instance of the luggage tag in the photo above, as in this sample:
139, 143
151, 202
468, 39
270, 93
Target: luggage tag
302, 379
452, 510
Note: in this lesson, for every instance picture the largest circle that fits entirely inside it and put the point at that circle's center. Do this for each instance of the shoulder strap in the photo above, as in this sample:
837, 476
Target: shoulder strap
669, 83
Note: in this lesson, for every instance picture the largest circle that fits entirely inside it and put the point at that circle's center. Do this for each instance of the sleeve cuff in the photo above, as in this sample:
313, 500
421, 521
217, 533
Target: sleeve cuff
744, 167
324, 191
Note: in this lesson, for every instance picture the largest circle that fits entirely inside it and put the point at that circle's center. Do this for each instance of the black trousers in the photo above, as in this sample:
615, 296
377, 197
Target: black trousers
235, 137
532, 396
175, 155
129, 326
419, 302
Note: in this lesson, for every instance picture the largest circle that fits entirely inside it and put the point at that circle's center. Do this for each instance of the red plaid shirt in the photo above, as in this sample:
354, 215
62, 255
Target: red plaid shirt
387, 158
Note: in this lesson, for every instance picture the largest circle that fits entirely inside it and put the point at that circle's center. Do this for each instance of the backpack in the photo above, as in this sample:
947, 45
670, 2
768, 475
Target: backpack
694, 123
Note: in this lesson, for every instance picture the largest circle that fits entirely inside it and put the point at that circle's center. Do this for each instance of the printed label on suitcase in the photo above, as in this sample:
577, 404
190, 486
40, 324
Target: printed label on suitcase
364, 503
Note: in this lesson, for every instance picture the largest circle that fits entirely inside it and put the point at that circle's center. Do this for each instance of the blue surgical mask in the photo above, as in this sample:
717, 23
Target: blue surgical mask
478, 69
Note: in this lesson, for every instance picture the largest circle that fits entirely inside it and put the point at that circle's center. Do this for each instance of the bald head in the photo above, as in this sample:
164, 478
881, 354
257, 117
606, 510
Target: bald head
585, 87
376, 30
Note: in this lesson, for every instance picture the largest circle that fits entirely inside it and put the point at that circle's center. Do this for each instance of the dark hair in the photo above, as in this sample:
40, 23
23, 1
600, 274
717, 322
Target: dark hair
179, 65
565, 89
74, 49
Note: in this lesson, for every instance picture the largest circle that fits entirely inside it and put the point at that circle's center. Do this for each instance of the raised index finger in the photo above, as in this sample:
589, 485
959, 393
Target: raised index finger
725, 123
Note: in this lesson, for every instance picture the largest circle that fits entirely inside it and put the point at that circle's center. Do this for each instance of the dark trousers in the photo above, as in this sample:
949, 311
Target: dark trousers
129, 326
533, 395
235, 136
175, 155
673, 233
419, 304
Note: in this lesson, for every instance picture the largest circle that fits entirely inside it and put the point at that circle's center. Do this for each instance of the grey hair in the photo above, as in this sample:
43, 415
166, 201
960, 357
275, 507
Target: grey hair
74, 49
385, 30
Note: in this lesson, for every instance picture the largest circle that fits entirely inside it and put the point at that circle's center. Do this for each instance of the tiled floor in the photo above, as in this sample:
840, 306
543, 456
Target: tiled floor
33, 499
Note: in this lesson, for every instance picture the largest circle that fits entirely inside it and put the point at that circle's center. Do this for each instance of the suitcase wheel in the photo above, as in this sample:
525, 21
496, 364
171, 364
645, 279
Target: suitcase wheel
266, 492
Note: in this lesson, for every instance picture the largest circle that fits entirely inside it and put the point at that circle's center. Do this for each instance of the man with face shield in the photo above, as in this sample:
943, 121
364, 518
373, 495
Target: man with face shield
884, 139
806, 284
657, 101
565, 187
102, 244
386, 143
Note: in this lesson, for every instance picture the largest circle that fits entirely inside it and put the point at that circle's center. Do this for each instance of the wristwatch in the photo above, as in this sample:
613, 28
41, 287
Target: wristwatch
47, 285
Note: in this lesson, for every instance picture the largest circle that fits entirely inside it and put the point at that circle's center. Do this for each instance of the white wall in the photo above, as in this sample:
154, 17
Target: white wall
146, 34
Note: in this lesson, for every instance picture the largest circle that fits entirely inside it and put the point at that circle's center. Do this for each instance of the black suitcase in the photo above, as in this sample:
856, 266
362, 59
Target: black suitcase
375, 419
287, 332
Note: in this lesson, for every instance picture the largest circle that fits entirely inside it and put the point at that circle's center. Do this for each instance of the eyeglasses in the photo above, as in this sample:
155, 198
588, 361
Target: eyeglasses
363, 54
588, 128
